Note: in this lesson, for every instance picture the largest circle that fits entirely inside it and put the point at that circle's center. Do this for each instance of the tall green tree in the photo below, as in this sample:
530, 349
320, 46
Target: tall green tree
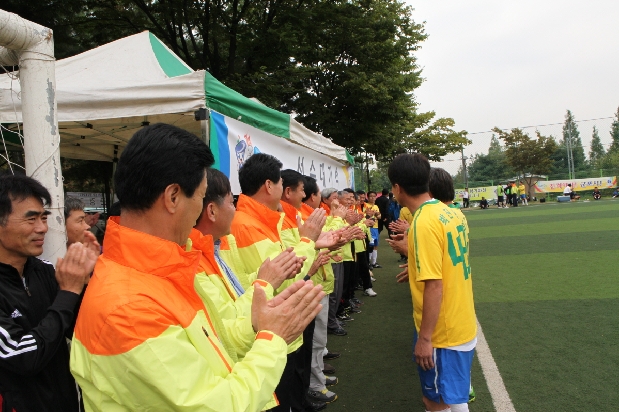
596, 152
347, 68
528, 156
491, 166
572, 135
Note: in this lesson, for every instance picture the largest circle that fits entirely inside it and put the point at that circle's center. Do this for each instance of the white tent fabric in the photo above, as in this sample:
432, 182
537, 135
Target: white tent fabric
104, 95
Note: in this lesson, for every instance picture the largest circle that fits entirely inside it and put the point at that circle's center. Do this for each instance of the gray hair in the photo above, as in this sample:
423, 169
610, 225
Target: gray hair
327, 192
71, 204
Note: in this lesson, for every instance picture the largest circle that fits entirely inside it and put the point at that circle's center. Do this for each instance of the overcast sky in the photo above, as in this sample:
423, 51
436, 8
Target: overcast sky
519, 63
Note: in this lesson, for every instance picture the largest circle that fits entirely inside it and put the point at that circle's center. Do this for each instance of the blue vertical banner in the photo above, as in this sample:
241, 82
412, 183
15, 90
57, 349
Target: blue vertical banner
219, 143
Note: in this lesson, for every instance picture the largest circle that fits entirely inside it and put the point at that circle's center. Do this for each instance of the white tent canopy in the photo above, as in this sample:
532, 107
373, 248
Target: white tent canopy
104, 95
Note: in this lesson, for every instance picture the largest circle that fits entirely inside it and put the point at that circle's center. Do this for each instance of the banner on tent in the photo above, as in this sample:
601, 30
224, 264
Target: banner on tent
476, 193
233, 142
557, 186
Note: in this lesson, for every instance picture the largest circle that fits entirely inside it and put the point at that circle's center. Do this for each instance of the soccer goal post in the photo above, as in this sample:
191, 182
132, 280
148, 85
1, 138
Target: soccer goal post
31, 47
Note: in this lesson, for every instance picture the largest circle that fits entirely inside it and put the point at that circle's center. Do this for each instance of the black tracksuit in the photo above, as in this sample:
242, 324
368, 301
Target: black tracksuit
35, 320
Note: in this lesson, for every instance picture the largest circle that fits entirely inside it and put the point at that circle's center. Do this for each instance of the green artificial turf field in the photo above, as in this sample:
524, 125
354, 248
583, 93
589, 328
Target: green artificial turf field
546, 281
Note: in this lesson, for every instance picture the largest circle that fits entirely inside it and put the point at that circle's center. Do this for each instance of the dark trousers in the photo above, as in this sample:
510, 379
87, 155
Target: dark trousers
515, 200
363, 270
465, 202
350, 271
294, 383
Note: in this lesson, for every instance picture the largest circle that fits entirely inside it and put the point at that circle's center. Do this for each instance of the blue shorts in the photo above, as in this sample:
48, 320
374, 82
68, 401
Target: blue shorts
523, 196
375, 234
450, 379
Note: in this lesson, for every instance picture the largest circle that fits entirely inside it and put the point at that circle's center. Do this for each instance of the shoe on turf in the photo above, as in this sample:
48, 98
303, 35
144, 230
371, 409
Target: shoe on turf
357, 302
472, 395
345, 317
314, 405
377, 266
330, 356
330, 380
328, 369
372, 279
355, 310
369, 292
324, 395
337, 332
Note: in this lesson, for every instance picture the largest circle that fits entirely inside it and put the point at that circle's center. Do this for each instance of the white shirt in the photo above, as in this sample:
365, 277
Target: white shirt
465, 195
567, 190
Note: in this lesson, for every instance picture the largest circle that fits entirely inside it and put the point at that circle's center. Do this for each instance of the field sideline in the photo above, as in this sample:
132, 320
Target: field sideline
547, 293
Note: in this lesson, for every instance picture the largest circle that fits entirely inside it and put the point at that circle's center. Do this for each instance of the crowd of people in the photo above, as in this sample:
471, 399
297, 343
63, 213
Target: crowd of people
197, 300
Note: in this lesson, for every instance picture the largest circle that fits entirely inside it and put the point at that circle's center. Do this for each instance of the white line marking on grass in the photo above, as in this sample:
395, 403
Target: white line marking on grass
500, 398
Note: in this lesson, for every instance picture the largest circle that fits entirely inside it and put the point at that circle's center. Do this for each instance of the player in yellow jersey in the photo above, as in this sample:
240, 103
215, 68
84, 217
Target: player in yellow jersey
441, 287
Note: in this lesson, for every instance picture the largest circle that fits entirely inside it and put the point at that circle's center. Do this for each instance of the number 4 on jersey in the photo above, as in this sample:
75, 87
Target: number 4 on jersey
458, 254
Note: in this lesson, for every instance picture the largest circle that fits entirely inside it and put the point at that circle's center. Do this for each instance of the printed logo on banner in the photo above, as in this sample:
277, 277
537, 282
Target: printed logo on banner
244, 150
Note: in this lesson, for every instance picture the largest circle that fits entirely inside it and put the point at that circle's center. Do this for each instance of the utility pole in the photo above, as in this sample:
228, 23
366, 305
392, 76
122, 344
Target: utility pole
465, 176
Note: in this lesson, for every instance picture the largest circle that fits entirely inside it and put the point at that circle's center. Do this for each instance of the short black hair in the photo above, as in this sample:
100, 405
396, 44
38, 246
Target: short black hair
156, 157
257, 170
218, 187
114, 210
19, 187
348, 190
71, 204
311, 187
292, 178
360, 192
441, 185
370, 192
385, 192
411, 172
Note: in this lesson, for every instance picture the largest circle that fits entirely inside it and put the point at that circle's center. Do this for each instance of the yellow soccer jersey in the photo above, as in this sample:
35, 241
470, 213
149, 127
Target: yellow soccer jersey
375, 209
438, 249
405, 214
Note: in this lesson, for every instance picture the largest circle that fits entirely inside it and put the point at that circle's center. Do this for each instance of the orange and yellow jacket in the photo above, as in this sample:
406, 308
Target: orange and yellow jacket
212, 284
324, 276
290, 236
145, 340
256, 229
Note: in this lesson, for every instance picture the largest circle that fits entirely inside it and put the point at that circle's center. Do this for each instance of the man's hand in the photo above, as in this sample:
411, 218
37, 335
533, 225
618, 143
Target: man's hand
370, 212
282, 267
312, 227
328, 240
92, 220
73, 271
423, 353
322, 258
352, 218
287, 314
339, 211
369, 222
402, 277
94, 248
399, 226
399, 244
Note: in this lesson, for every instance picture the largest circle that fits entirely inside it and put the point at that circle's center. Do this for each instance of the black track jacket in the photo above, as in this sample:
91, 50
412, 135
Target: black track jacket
35, 320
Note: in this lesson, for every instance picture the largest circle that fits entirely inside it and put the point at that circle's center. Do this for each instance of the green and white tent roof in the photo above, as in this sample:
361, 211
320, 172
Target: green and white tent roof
104, 95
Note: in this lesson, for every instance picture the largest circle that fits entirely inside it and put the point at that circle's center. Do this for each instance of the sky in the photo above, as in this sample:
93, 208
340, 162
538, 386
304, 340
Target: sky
509, 64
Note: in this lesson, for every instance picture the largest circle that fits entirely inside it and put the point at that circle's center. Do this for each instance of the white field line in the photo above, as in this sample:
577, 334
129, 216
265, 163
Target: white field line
500, 397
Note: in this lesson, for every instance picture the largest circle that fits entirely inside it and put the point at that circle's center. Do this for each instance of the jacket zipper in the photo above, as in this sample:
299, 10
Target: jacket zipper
23, 280
217, 349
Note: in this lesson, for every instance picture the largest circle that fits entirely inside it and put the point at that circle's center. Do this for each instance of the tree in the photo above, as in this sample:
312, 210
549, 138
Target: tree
346, 68
528, 156
492, 166
614, 134
572, 135
596, 153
